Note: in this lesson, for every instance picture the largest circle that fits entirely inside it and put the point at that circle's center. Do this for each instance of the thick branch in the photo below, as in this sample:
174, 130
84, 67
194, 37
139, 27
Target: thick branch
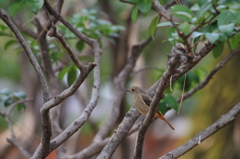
119, 134
215, 127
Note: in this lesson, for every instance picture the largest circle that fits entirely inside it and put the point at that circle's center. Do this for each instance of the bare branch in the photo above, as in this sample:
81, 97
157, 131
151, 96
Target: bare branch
144, 69
19, 146
25, 29
13, 139
119, 134
54, 33
12, 106
215, 127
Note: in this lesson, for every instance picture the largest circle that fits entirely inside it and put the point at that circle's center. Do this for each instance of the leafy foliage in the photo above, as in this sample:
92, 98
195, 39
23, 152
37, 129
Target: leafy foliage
7, 98
90, 24
18, 5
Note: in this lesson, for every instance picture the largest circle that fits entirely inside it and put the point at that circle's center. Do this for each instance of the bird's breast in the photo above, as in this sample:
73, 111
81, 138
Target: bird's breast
140, 105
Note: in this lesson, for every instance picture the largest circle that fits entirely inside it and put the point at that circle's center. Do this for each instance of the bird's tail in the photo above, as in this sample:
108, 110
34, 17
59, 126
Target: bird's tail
160, 116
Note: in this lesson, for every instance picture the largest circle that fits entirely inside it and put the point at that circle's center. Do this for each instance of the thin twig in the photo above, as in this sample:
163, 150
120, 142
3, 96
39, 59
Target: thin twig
54, 33
223, 121
145, 69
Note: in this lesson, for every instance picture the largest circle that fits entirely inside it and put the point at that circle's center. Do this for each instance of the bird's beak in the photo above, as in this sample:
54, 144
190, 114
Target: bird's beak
127, 90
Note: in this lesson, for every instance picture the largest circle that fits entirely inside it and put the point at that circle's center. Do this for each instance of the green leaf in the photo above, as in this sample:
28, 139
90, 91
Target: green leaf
195, 7
144, 5
162, 107
16, 6
4, 1
21, 106
132, 1
134, 14
35, 5
203, 10
72, 75
20, 95
80, 45
222, 37
171, 101
236, 19
226, 29
5, 91
170, 36
153, 26
225, 17
196, 34
185, 28
164, 24
212, 37
63, 72
217, 51
9, 43
234, 41
8, 102
183, 12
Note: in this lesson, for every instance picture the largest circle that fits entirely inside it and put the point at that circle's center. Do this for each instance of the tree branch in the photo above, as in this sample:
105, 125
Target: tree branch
13, 139
223, 121
119, 91
209, 77
22, 41
54, 33
174, 62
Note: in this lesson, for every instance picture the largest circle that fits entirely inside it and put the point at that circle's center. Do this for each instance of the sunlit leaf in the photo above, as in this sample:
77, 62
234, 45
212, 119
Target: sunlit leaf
226, 29
212, 37
195, 7
196, 34
203, 10
185, 28
183, 12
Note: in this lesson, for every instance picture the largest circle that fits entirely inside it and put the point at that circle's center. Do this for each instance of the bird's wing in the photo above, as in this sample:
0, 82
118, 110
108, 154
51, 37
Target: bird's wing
146, 98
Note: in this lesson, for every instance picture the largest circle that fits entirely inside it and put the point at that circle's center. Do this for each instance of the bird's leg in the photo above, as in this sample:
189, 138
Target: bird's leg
141, 122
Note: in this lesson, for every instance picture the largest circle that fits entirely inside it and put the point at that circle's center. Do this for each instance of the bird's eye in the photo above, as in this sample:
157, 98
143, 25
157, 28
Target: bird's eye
133, 90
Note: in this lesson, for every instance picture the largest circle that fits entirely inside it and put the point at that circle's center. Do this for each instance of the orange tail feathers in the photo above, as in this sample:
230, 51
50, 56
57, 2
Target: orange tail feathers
160, 116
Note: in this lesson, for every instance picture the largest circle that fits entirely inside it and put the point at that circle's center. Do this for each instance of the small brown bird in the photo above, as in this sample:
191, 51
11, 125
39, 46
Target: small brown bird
142, 101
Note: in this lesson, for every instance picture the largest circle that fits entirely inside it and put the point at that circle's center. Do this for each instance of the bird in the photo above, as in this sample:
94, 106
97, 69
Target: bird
142, 101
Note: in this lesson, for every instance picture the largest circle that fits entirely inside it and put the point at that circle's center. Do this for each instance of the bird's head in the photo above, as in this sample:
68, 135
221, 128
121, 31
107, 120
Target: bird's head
135, 90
